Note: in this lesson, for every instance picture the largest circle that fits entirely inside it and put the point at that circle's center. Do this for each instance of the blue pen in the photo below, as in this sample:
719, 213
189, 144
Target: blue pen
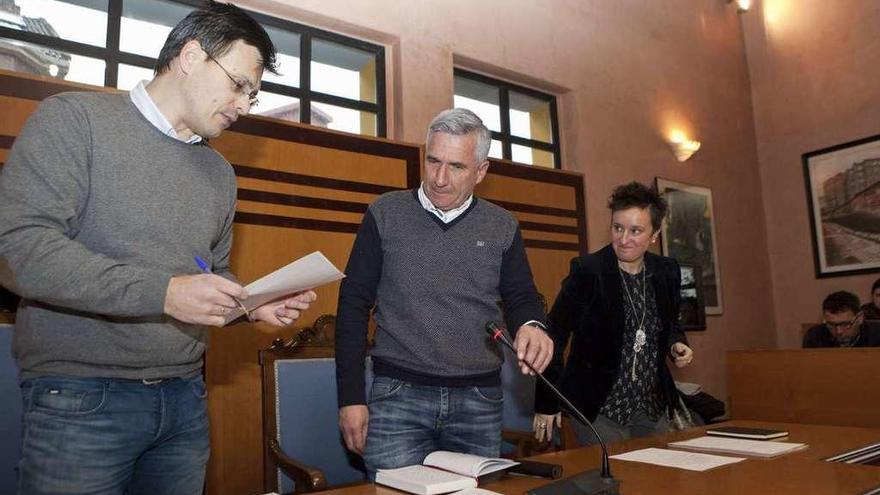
204, 267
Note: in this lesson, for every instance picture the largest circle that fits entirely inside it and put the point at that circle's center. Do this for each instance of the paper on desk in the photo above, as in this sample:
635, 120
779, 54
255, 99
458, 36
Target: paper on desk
738, 446
307, 272
691, 461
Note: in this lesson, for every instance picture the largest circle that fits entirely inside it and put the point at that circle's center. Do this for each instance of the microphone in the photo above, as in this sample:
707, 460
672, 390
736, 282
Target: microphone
590, 482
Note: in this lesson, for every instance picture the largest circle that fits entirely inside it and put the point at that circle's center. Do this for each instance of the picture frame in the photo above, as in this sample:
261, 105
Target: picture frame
843, 198
692, 310
688, 235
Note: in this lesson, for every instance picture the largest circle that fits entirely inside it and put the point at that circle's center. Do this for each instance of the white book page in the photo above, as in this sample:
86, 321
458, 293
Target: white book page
740, 445
466, 464
423, 479
692, 461
475, 491
307, 272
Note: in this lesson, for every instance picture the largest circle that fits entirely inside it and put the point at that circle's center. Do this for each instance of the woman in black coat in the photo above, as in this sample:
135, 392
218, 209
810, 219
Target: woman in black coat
620, 306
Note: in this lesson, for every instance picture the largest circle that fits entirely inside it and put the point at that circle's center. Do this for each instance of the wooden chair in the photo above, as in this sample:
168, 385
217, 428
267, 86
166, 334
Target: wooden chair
303, 448
517, 437
517, 434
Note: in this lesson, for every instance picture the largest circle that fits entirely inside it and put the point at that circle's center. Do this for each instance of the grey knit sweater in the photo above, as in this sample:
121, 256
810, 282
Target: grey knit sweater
435, 287
98, 210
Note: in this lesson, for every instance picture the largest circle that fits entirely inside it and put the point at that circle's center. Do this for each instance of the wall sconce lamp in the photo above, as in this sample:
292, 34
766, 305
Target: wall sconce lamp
742, 5
682, 146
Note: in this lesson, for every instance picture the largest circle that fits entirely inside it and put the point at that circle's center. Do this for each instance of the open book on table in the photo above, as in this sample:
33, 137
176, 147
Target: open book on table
442, 472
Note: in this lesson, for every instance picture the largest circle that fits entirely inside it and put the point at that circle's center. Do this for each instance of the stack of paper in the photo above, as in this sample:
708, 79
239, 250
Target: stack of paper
738, 446
677, 459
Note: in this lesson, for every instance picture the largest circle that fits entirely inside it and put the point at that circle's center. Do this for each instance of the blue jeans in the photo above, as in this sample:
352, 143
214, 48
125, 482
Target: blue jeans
639, 425
409, 421
104, 436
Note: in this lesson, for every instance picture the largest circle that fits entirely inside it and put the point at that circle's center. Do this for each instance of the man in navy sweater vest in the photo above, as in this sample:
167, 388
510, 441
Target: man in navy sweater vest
434, 261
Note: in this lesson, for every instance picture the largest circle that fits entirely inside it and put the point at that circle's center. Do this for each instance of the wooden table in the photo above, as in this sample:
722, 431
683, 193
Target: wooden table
802, 472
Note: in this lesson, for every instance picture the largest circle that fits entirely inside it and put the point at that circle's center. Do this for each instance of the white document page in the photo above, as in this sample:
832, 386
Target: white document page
466, 464
307, 272
692, 461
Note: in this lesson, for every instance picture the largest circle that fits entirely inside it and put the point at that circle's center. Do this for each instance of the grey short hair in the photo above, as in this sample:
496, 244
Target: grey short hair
460, 122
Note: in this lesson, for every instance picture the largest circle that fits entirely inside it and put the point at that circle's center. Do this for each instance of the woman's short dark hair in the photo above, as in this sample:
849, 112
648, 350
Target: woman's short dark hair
875, 286
216, 26
638, 195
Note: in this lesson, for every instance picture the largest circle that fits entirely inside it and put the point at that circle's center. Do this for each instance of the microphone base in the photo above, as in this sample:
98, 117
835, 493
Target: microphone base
586, 483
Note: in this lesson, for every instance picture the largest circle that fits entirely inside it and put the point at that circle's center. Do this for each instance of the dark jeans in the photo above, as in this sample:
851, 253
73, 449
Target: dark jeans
103, 436
409, 421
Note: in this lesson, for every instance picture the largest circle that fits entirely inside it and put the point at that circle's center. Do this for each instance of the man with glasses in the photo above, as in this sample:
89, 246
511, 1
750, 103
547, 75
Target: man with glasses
106, 202
844, 324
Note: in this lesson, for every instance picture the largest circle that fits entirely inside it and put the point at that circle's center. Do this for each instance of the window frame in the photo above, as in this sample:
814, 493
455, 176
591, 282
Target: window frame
113, 56
504, 136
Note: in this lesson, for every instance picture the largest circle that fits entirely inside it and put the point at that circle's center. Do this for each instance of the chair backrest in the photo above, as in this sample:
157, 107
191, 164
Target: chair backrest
10, 419
305, 421
519, 414
519, 397
807, 326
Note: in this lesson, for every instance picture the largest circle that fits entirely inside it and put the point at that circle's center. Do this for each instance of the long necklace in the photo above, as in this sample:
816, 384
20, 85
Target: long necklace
641, 337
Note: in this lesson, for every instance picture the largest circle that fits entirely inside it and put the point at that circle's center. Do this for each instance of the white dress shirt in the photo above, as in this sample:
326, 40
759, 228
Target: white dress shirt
444, 216
151, 112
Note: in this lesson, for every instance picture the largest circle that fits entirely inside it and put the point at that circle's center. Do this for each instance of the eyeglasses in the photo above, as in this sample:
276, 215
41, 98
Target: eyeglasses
843, 325
240, 87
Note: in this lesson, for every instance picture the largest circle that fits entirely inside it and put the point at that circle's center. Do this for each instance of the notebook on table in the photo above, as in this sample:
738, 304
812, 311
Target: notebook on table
748, 433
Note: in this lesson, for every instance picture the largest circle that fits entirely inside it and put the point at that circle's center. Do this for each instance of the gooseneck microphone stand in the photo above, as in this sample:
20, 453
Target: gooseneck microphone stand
594, 482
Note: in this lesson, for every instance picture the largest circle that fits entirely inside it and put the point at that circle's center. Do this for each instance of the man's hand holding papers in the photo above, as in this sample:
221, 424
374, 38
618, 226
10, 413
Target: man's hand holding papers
279, 297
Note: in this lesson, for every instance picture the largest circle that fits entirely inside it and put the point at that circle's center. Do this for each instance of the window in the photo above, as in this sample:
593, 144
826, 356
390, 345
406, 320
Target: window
522, 120
326, 79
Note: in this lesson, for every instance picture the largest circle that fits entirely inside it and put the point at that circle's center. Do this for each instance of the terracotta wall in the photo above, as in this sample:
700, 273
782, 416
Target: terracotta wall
626, 72
815, 67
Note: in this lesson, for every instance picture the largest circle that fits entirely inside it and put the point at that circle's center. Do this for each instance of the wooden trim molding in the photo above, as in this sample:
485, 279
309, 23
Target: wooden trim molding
295, 223
310, 180
6, 141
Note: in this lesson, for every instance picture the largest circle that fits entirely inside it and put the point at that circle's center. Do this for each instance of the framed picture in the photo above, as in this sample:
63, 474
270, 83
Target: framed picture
692, 312
688, 235
843, 197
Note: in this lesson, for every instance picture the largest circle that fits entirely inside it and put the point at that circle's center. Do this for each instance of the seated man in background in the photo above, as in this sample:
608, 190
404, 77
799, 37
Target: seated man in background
871, 309
843, 324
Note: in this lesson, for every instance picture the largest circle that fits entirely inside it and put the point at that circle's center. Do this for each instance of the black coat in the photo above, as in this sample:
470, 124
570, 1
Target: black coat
820, 336
590, 307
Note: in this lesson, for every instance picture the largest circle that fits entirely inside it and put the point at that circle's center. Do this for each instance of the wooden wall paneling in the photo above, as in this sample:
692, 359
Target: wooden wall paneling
549, 205
814, 386
15, 113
